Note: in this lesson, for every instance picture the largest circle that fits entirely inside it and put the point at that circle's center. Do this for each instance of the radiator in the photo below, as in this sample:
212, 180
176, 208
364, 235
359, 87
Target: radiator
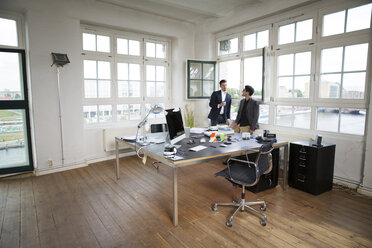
109, 135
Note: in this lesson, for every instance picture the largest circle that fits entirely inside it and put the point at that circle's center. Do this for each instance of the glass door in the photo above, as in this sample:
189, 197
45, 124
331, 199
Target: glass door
15, 143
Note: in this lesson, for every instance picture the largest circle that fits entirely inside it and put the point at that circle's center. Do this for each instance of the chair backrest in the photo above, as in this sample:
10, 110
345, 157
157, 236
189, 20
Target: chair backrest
160, 127
264, 159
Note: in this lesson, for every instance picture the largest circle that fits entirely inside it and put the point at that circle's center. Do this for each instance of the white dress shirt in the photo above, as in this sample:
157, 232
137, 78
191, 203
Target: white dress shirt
223, 93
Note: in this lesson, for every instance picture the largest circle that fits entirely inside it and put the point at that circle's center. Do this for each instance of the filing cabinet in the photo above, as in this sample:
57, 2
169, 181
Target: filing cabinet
311, 167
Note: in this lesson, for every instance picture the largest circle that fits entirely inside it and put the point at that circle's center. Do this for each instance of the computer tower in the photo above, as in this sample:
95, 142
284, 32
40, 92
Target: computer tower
269, 180
311, 166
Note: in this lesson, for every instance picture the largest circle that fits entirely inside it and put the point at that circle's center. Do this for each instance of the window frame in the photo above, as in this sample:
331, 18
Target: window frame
202, 62
255, 31
230, 55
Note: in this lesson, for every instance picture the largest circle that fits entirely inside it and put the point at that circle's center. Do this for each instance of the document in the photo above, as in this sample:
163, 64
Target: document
197, 148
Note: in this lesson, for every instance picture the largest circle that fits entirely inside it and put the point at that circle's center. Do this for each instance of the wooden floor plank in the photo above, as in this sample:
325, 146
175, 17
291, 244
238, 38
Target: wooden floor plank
88, 207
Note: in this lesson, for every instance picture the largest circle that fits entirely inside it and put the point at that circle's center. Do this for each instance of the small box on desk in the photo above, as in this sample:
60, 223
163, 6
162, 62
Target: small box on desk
311, 167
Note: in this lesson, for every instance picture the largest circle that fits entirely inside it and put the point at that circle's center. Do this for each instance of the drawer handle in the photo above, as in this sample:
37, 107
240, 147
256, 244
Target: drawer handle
301, 180
303, 165
302, 152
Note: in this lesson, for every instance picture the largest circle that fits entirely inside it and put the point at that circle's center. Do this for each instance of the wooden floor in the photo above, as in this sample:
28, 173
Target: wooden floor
88, 207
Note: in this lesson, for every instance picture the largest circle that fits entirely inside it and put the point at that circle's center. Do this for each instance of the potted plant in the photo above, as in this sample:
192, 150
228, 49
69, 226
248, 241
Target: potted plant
189, 117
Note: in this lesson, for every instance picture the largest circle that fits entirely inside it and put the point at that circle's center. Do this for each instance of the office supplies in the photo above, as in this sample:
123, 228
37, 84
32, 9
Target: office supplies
202, 140
223, 145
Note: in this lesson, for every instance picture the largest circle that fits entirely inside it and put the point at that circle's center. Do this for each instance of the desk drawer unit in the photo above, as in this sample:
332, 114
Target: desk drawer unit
311, 167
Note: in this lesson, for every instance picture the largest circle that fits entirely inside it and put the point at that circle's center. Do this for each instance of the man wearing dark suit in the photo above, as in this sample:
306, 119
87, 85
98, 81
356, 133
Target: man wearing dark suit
248, 113
220, 104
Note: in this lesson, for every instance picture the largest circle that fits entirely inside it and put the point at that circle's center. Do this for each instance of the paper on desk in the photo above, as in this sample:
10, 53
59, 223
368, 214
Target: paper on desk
197, 130
197, 148
176, 158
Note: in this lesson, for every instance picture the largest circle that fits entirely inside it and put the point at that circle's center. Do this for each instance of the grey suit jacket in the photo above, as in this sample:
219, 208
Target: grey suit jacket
252, 113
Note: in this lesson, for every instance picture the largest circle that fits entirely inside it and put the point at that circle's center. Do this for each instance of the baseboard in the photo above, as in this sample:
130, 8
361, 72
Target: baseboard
346, 182
122, 155
364, 190
59, 169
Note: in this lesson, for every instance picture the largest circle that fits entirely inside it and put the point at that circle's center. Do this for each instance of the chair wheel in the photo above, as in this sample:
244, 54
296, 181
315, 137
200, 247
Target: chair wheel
263, 208
214, 208
263, 222
229, 223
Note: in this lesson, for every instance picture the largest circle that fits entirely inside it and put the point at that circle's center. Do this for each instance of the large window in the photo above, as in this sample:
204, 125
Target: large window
123, 75
15, 138
318, 81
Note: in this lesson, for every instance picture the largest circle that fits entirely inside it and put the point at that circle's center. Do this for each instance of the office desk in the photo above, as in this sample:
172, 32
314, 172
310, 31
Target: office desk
237, 148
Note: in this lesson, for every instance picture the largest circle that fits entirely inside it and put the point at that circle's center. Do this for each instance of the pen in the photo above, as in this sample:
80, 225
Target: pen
213, 146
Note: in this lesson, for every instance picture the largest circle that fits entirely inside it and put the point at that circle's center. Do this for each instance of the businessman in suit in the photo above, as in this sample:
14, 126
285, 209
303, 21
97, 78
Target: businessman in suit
220, 104
248, 113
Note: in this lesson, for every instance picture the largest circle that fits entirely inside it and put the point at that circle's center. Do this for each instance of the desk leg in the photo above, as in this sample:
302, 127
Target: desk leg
175, 197
285, 167
117, 159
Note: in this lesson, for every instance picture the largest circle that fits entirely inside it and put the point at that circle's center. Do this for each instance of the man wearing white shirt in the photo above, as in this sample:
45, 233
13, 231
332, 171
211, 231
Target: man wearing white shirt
220, 104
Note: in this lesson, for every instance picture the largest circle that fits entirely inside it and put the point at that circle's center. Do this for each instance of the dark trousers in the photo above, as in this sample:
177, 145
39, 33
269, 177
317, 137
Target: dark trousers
220, 120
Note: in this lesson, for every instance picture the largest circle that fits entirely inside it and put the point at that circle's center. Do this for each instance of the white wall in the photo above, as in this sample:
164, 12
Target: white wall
54, 26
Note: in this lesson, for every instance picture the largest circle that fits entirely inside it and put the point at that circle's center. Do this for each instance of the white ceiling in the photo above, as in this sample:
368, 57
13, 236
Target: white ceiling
193, 11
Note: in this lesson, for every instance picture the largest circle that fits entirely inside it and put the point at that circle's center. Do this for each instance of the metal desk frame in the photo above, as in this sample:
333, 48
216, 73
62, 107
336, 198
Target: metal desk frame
180, 163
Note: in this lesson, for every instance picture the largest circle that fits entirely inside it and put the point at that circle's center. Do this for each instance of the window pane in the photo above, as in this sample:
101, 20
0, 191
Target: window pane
134, 72
228, 46
150, 49
8, 32
285, 65
286, 33
327, 119
104, 70
283, 116
207, 88
195, 88
151, 89
264, 114
301, 117
160, 89
303, 63
13, 138
356, 57
353, 85
104, 89
304, 30
89, 42
253, 74
263, 39
134, 47
331, 60
352, 121
330, 86
250, 42
122, 71
90, 88
208, 71
11, 81
359, 18
135, 111
90, 114
122, 112
134, 89
285, 85
301, 86
103, 43
150, 72
122, 46
334, 23
230, 71
195, 71
123, 89
90, 69
105, 113
160, 51
160, 73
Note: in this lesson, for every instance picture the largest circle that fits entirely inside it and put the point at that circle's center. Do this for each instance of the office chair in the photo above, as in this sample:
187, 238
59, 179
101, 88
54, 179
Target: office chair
157, 128
246, 174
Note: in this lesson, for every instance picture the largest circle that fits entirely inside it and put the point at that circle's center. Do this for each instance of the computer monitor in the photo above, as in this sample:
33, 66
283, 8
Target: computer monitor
175, 125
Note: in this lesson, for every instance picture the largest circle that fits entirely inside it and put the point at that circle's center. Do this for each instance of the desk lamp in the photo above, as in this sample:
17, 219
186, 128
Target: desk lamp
156, 109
